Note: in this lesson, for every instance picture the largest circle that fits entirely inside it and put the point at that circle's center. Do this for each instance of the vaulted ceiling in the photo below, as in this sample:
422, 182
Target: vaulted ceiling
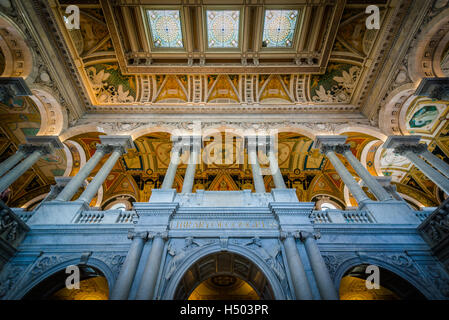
308, 55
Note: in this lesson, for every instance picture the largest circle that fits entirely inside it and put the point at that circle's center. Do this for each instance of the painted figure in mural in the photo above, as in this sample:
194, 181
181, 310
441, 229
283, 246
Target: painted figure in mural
423, 117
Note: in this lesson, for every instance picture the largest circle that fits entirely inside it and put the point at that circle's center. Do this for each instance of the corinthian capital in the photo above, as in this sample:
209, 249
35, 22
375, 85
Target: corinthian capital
303, 235
404, 148
135, 234
104, 148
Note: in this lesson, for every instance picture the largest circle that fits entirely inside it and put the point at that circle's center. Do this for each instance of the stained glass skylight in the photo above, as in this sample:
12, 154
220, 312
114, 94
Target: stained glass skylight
223, 28
279, 28
165, 28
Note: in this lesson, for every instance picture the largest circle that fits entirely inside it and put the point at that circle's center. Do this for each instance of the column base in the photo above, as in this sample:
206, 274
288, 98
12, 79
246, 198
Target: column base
57, 212
390, 212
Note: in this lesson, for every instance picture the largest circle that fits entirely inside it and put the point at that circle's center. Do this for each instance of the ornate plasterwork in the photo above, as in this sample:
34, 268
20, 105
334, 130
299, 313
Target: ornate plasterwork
189, 93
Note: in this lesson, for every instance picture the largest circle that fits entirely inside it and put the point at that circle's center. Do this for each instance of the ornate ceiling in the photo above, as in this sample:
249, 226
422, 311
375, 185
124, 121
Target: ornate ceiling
287, 54
303, 67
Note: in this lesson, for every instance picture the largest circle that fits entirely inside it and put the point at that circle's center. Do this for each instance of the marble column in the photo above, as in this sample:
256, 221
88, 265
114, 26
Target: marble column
437, 178
125, 279
331, 144
189, 177
363, 173
409, 147
77, 181
322, 276
297, 272
92, 188
172, 167
259, 185
275, 171
438, 164
151, 271
6, 165
37, 151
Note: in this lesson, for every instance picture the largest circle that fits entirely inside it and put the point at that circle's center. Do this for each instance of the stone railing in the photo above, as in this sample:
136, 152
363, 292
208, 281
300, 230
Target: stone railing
105, 217
12, 232
320, 217
340, 216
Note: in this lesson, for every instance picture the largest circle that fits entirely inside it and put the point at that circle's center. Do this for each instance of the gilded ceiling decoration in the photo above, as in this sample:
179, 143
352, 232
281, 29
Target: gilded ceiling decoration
185, 55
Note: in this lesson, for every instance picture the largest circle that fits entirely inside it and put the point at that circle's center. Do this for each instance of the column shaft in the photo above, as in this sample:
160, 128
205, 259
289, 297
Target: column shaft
171, 171
347, 178
439, 164
124, 281
149, 278
375, 187
76, 182
19, 170
189, 177
257, 172
275, 171
323, 279
11, 162
297, 272
440, 180
99, 178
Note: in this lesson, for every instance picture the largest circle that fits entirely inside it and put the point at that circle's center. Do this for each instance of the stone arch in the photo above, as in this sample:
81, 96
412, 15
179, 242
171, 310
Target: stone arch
389, 122
81, 129
423, 60
18, 56
53, 115
302, 130
415, 281
366, 130
148, 129
93, 262
172, 285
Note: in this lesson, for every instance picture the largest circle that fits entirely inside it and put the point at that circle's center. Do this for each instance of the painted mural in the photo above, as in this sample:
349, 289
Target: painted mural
336, 85
109, 85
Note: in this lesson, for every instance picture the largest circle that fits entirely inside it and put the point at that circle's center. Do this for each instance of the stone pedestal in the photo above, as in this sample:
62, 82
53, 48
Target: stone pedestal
390, 212
57, 212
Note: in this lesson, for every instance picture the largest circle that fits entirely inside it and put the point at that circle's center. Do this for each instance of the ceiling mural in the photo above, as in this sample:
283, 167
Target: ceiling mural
120, 63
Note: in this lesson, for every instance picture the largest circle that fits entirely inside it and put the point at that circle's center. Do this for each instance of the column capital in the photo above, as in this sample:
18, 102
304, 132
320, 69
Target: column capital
331, 143
338, 148
286, 234
28, 149
134, 234
125, 142
187, 142
401, 150
51, 141
394, 142
303, 235
153, 234
258, 141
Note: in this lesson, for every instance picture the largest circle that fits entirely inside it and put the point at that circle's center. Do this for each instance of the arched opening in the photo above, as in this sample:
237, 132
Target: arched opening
92, 286
222, 276
224, 287
391, 286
